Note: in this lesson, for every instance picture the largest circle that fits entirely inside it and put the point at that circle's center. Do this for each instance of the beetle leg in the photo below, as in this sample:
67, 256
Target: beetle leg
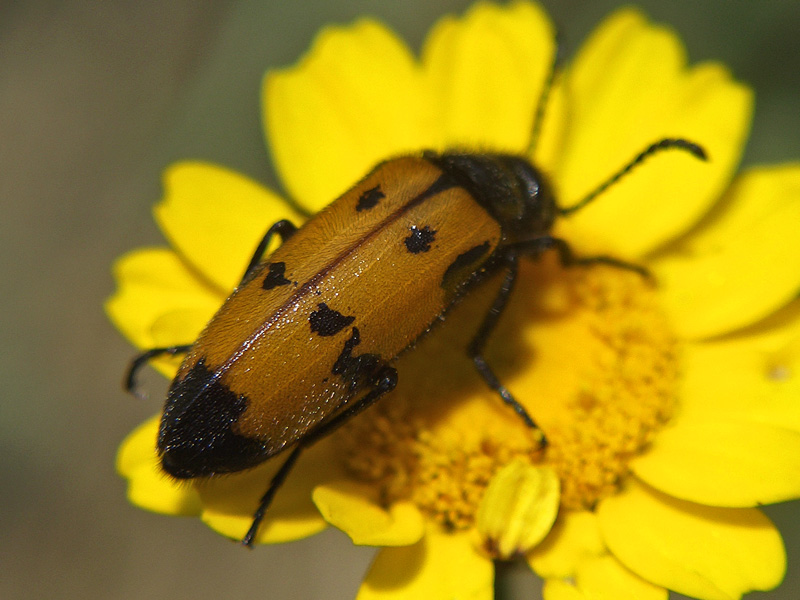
568, 258
283, 228
478, 343
385, 382
145, 357
266, 499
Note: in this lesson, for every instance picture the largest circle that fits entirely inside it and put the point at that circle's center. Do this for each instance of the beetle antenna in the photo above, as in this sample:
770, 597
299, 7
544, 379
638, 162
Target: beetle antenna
665, 144
541, 105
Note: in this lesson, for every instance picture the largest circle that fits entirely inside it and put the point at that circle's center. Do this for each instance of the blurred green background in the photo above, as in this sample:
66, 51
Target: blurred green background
95, 100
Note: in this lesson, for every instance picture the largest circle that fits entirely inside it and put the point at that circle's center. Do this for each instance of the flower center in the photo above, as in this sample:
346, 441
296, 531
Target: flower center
586, 350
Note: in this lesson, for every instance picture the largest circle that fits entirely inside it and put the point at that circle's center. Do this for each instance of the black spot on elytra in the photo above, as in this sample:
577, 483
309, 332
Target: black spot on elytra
463, 266
276, 276
420, 240
370, 198
196, 437
356, 370
327, 321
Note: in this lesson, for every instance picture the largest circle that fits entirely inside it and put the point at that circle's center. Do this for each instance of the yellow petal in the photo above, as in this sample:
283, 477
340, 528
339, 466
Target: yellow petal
441, 565
518, 508
701, 551
215, 218
575, 537
749, 377
487, 71
743, 262
138, 447
159, 302
630, 87
354, 100
148, 486
724, 463
229, 502
604, 577
278, 530
559, 589
153, 283
353, 508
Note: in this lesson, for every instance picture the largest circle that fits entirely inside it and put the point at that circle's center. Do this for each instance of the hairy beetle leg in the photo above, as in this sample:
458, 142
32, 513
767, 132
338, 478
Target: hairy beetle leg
568, 259
283, 228
478, 343
145, 357
386, 381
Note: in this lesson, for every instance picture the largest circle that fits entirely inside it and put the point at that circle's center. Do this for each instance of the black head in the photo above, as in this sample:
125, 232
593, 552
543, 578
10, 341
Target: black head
509, 187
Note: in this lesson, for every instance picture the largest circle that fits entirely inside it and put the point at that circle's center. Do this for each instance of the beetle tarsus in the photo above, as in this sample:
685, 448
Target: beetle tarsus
284, 228
144, 358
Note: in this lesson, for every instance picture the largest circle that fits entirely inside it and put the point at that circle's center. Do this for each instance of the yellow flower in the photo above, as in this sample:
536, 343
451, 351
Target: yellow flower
671, 410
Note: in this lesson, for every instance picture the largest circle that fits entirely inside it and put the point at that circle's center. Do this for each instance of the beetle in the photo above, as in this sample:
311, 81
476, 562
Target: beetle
308, 337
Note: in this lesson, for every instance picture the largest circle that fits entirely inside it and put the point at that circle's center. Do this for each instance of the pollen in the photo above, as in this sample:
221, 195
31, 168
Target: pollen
623, 391
588, 353
444, 476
